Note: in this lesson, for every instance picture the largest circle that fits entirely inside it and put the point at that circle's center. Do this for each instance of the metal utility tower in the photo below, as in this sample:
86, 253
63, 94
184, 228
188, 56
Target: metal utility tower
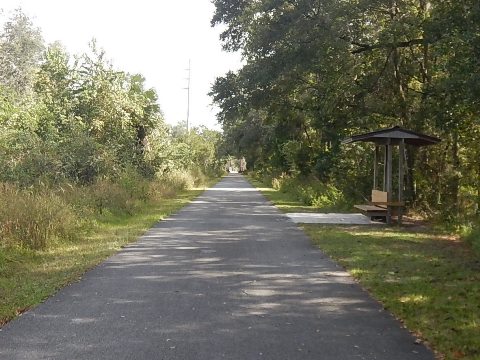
188, 93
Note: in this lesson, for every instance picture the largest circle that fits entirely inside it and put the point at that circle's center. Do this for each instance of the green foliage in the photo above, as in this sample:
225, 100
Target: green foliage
178, 179
472, 237
194, 151
309, 191
83, 120
81, 139
318, 72
21, 46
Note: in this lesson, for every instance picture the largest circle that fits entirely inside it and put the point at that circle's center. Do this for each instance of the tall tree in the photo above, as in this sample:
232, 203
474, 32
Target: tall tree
21, 50
321, 70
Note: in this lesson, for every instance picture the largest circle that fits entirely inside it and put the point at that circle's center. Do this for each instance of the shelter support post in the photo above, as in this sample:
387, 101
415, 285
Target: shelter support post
385, 171
401, 176
375, 169
389, 179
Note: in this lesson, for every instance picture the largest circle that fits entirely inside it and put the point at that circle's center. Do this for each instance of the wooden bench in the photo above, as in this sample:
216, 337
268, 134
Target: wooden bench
380, 206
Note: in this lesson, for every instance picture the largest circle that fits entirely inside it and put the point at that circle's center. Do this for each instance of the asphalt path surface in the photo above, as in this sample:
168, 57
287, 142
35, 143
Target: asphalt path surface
227, 277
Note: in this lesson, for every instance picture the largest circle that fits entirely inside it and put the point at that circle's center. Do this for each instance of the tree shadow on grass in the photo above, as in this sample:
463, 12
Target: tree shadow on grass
428, 280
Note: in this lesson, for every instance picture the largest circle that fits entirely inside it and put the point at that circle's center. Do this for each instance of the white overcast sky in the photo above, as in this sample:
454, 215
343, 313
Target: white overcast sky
154, 38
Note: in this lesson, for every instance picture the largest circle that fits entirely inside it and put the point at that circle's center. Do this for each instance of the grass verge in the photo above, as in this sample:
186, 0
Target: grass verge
28, 277
428, 280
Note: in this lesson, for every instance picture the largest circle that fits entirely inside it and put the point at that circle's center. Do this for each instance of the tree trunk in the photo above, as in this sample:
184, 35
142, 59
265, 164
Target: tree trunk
410, 191
141, 139
400, 89
478, 186
455, 179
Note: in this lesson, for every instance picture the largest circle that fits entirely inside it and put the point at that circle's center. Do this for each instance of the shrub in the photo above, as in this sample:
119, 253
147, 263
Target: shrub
277, 183
32, 219
199, 177
120, 196
472, 237
308, 190
109, 197
158, 189
134, 184
178, 179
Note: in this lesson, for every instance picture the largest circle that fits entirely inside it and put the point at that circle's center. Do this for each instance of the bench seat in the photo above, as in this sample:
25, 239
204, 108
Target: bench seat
372, 210
380, 205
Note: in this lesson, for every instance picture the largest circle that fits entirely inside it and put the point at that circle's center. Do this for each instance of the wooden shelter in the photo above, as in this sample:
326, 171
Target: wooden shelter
383, 203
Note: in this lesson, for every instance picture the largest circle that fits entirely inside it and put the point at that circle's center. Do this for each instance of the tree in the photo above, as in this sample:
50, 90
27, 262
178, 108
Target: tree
319, 71
21, 49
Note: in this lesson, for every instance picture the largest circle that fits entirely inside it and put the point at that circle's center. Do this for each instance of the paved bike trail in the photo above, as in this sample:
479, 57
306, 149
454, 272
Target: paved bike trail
227, 277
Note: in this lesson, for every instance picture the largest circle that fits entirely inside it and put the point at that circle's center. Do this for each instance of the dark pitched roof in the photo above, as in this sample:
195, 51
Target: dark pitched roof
394, 135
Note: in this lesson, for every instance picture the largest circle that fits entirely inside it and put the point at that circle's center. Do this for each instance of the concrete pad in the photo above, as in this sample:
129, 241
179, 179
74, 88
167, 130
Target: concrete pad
331, 218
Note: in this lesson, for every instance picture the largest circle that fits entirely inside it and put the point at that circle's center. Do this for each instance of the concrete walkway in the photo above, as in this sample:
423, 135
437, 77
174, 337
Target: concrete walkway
228, 277
331, 218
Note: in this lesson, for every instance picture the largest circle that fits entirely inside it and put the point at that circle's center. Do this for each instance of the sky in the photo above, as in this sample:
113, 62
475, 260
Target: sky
154, 38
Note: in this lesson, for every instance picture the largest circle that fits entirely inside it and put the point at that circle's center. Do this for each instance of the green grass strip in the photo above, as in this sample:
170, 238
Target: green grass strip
428, 280
28, 277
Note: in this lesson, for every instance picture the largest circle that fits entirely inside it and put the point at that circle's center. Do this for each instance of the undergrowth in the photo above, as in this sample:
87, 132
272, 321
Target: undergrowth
307, 190
50, 237
37, 217
472, 237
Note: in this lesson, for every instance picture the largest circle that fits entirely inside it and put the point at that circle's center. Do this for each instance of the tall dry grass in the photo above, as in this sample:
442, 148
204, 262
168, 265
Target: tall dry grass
35, 218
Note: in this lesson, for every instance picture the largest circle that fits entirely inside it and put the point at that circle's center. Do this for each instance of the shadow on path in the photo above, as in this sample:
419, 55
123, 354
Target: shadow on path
228, 277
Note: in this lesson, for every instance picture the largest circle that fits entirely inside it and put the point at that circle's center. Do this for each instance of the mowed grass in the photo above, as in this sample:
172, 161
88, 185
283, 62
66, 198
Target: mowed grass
28, 277
429, 280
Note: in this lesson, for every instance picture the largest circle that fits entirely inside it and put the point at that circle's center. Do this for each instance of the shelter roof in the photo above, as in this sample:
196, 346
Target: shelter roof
394, 136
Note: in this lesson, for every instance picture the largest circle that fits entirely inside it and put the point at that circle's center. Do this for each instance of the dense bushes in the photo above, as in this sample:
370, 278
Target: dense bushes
35, 218
308, 190
81, 140
472, 237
